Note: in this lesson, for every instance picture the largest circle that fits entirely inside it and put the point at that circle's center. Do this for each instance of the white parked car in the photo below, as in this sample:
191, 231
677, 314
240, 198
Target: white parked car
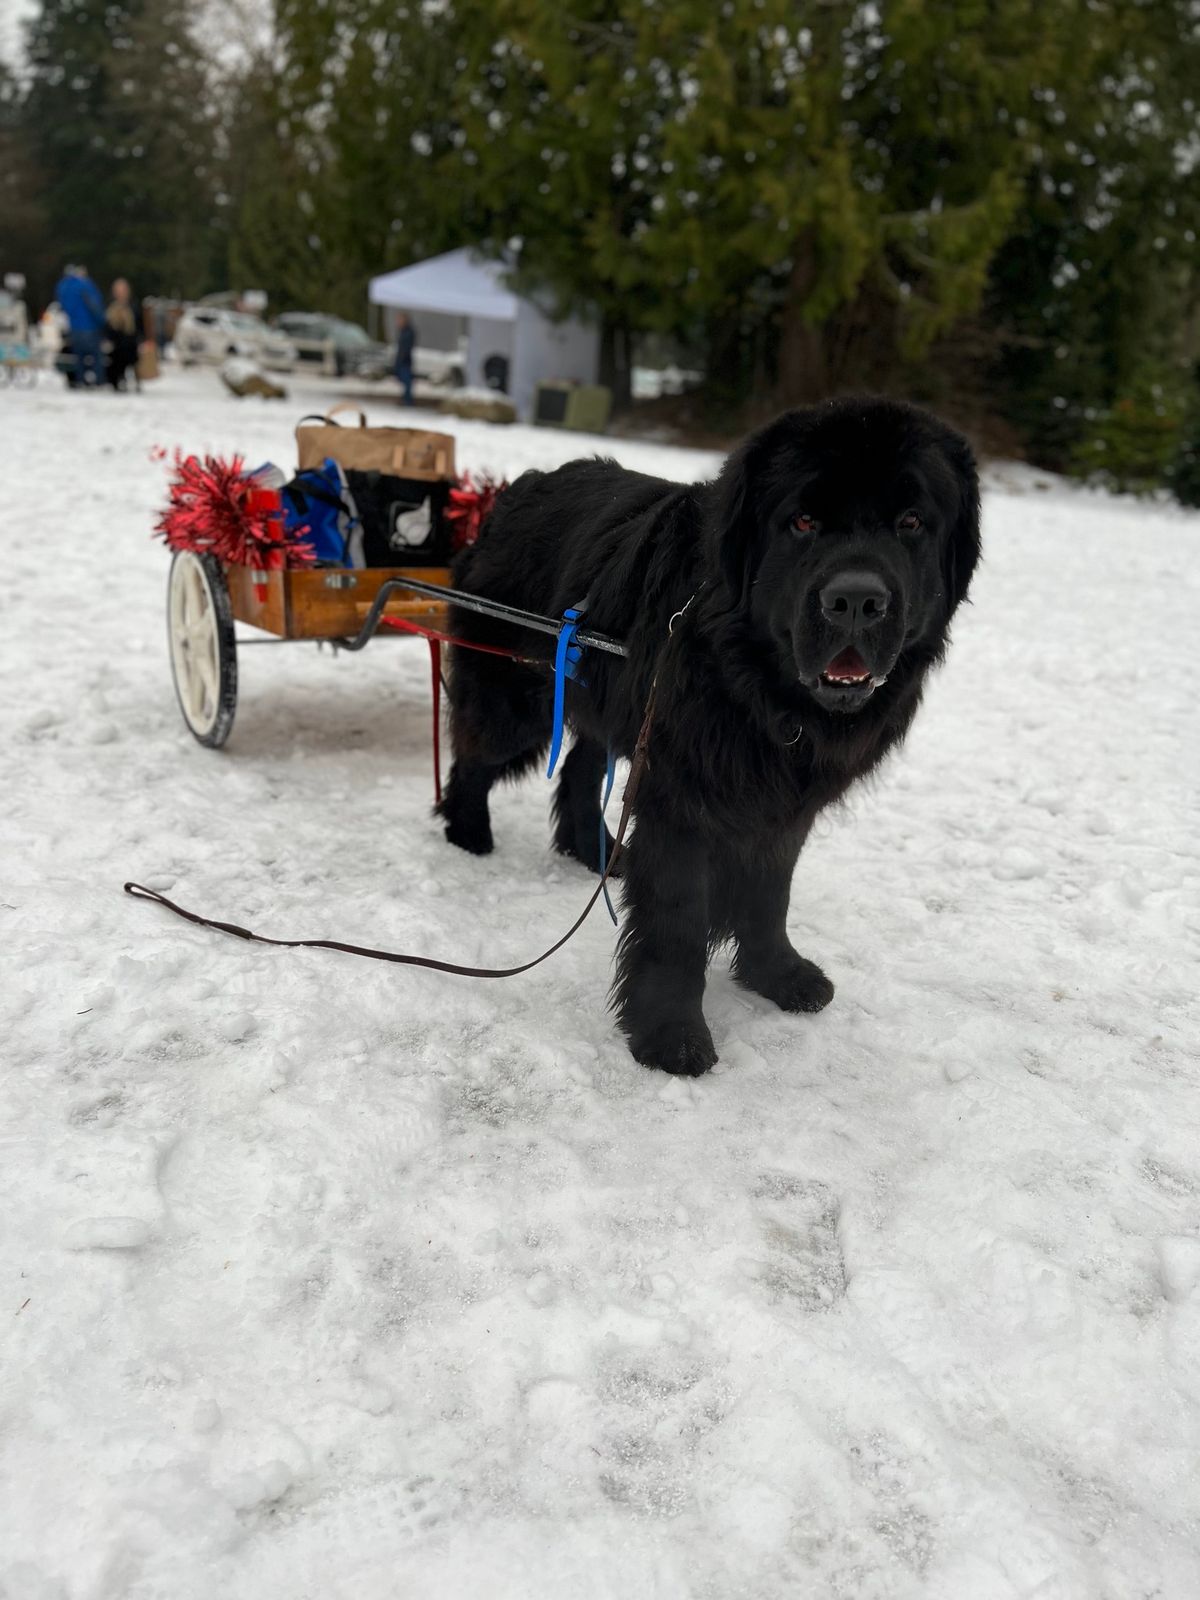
212, 334
446, 368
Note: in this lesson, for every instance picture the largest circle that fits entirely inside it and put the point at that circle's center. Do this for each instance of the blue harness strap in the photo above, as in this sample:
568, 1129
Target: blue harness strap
567, 659
567, 656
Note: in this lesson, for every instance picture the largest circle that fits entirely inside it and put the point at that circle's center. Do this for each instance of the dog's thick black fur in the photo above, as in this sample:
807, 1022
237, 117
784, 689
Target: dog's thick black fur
823, 567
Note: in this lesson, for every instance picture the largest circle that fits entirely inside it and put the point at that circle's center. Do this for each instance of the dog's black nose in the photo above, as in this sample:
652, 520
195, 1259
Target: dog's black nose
855, 601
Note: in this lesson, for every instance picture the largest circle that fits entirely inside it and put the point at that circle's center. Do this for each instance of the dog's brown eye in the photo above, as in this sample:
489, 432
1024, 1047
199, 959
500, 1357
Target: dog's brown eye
908, 522
803, 523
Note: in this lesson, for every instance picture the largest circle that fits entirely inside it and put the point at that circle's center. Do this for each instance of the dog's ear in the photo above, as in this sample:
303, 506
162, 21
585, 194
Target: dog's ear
961, 555
733, 532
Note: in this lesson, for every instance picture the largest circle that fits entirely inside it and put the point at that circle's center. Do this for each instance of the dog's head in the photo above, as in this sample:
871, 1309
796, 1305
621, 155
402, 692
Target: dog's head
847, 534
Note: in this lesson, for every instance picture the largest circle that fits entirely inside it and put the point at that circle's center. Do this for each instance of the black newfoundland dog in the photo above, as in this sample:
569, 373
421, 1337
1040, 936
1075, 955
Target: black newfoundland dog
817, 577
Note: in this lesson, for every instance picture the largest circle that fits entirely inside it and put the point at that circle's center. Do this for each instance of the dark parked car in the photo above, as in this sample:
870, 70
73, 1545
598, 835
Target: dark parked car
334, 347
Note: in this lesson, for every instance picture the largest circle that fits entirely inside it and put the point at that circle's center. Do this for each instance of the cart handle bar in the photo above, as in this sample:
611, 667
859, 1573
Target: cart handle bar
480, 603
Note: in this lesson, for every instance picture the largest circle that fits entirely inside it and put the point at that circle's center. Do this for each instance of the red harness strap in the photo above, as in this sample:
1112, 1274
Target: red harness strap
406, 626
436, 641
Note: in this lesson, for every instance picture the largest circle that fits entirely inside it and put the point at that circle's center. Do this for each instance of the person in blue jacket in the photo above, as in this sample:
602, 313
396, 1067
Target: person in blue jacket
83, 306
406, 338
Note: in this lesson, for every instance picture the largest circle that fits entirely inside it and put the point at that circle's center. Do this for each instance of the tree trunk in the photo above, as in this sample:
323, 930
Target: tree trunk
616, 362
803, 367
804, 374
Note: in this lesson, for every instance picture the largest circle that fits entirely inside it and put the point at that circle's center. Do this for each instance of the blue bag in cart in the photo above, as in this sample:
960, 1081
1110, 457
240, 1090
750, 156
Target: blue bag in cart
318, 499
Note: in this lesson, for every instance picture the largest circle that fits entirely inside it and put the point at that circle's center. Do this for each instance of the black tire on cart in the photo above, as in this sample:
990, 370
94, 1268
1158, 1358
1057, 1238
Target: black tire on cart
202, 646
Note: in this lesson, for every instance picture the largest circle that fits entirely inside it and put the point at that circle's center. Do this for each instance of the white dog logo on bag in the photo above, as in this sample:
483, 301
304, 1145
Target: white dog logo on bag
409, 526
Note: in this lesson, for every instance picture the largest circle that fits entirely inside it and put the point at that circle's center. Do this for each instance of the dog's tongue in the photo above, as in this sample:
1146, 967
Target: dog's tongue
849, 664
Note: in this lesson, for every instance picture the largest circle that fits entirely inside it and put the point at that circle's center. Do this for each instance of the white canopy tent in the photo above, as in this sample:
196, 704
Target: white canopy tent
499, 323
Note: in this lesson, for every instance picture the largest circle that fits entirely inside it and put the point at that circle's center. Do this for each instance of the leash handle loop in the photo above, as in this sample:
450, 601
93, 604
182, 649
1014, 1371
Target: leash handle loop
139, 891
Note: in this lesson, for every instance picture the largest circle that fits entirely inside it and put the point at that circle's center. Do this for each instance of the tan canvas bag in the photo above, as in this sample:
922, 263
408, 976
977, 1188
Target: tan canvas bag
400, 452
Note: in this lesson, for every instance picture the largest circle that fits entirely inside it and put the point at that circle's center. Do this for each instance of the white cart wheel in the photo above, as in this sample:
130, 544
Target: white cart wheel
203, 652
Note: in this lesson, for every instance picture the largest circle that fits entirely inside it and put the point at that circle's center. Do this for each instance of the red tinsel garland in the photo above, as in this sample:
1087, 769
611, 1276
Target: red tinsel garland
471, 502
217, 508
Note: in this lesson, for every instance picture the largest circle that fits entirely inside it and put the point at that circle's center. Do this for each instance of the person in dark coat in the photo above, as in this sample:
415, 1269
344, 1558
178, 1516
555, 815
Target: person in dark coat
83, 306
406, 340
125, 330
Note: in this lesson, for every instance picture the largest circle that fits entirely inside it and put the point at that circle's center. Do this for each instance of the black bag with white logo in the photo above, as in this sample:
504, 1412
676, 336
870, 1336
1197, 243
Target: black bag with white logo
403, 519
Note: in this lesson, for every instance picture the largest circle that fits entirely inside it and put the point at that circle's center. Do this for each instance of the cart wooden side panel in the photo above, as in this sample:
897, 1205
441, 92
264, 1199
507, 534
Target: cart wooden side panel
258, 598
327, 602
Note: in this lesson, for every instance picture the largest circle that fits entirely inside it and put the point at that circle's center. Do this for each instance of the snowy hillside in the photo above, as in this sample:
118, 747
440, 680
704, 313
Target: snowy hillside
329, 1279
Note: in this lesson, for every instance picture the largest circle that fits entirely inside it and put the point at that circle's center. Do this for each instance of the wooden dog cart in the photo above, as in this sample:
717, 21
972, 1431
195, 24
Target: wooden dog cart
205, 597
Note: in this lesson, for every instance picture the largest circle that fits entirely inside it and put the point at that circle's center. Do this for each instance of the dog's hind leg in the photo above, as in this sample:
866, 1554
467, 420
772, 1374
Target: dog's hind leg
500, 724
577, 805
464, 802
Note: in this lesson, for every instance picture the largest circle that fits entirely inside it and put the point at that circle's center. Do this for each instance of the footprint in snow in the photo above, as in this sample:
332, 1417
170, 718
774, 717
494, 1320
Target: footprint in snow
799, 1219
377, 1521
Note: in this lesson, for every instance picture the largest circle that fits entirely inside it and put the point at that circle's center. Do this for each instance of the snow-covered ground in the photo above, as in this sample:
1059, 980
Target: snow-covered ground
326, 1279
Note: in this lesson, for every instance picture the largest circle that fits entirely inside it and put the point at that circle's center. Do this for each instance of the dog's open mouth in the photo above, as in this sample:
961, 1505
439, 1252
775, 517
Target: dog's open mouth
847, 670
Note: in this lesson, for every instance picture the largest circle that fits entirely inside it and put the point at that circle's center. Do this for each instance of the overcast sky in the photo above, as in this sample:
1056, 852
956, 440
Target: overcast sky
12, 14
228, 23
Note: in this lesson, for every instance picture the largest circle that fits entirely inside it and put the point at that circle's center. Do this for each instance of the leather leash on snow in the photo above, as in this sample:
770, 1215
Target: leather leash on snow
637, 768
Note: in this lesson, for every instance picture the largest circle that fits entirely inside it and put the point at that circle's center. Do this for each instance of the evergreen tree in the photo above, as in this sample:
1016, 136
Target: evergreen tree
780, 176
24, 245
968, 195
353, 162
824, 191
566, 112
118, 117
1093, 296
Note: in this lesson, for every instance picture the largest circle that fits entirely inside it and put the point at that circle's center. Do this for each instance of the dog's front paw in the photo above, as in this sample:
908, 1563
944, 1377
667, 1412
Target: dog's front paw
794, 985
466, 826
475, 839
683, 1048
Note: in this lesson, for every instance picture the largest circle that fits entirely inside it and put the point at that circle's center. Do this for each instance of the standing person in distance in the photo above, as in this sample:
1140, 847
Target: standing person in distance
125, 330
406, 339
83, 307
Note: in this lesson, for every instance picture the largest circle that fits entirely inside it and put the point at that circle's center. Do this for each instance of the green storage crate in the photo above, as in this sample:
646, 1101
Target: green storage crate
581, 407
